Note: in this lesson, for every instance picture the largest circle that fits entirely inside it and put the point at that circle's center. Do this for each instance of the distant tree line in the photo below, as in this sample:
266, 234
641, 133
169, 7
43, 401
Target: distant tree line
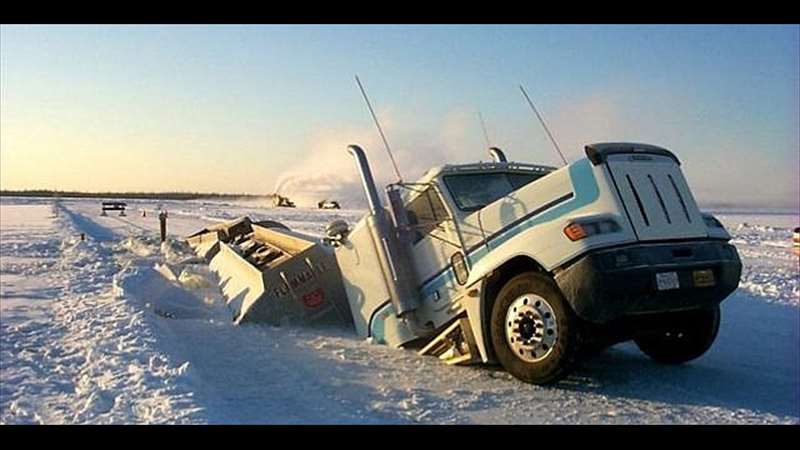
136, 195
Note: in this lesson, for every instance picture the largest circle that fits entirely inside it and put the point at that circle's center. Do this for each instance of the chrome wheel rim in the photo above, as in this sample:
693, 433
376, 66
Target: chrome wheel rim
531, 330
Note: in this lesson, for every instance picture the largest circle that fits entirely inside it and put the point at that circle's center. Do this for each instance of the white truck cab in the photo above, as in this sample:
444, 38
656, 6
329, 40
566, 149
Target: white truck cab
527, 264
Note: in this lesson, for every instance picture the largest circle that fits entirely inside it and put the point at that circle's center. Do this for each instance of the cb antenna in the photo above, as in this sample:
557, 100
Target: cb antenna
544, 125
380, 130
485, 133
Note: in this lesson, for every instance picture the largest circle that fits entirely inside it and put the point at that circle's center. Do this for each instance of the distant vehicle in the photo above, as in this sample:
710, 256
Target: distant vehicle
329, 204
280, 201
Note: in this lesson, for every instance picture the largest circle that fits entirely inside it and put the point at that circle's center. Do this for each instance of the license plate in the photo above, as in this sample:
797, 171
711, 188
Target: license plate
667, 280
703, 278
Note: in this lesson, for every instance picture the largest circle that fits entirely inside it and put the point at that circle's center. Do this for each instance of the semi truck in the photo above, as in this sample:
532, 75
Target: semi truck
526, 265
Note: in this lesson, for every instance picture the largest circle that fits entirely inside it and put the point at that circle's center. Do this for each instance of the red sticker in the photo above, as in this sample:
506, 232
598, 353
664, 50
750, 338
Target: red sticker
314, 298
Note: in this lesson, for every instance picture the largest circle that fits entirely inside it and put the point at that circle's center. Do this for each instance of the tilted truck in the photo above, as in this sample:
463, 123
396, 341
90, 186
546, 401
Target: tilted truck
526, 265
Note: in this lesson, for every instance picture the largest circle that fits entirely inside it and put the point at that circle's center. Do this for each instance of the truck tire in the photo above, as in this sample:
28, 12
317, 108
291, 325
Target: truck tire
534, 332
688, 336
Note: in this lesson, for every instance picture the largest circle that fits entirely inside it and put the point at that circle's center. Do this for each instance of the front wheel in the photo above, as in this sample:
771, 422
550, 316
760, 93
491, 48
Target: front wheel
686, 336
533, 329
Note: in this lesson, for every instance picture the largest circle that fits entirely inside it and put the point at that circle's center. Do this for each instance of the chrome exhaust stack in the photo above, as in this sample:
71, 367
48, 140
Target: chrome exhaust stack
497, 155
366, 179
394, 263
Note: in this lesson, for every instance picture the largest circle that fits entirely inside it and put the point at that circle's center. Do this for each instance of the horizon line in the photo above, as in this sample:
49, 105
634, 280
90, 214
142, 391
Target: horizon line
189, 195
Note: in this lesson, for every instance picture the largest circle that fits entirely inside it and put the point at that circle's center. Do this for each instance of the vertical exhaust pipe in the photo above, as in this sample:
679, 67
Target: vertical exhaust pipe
366, 178
497, 155
396, 268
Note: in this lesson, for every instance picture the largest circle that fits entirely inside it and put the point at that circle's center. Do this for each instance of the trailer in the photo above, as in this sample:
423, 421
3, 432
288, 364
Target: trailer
522, 264
113, 206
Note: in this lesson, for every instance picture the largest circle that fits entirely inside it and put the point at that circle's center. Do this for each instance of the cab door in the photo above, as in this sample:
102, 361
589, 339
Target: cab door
433, 245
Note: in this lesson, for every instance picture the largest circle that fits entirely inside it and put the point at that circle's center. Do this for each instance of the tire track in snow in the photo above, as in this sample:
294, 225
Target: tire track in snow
95, 359
29, 254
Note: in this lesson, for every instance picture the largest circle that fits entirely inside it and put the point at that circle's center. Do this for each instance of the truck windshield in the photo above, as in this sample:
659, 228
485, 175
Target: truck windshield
473, 191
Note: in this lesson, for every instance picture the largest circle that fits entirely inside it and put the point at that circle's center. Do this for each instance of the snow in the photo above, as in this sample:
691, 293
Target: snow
765, 246
78, 355
122, 329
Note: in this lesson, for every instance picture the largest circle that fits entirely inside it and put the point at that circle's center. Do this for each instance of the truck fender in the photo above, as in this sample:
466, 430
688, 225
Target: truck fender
497, 259
478, 324
477, 303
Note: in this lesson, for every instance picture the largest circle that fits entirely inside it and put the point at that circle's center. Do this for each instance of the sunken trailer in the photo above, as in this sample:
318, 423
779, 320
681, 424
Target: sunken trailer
271, 274
521, 264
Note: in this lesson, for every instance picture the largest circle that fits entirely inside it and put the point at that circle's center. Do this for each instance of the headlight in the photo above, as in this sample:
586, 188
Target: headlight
579, 230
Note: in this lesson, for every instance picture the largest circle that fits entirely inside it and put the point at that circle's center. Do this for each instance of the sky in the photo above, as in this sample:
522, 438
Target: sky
252, 109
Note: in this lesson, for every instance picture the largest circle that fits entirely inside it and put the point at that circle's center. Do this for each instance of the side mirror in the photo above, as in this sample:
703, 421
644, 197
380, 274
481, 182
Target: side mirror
336, 232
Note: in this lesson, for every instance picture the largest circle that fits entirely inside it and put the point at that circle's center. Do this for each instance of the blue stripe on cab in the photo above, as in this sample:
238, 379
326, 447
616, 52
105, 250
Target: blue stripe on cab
586, 192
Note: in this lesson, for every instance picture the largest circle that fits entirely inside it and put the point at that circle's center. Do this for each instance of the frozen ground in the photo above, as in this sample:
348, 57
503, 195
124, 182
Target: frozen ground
117, 329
